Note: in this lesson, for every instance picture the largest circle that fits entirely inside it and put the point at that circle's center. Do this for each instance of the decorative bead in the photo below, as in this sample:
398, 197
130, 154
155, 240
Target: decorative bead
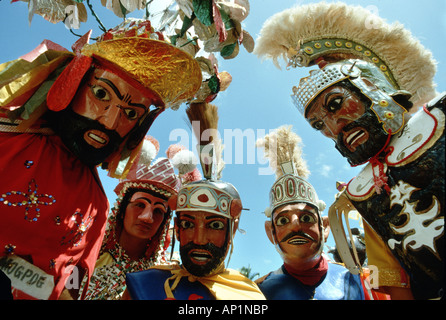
389, 115
328, 44
308, 50
317, 45
10, 248
383, 103
28, 163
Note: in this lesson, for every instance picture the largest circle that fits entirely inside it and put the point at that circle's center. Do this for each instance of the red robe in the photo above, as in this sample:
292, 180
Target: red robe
53, 209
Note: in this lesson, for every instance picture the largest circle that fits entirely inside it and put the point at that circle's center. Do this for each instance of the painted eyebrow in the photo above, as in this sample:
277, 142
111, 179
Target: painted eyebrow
149, 201
325, 103
126, 98
328, 95
214, 217
207, 218
300, 211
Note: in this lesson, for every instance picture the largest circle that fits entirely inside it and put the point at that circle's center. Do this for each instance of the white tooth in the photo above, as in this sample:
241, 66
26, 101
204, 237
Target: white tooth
298, 241
97, 138
200, 258
356, 135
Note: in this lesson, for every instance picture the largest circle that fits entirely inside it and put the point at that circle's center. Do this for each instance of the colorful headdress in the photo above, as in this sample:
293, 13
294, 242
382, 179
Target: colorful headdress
210, 194
282, 148
357, 72
156, 176
134, 51
322, 33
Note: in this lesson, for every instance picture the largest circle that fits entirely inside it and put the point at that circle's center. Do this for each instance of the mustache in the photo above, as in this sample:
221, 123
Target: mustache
297, 233
217, 253
71, 127
212, 248
377, 139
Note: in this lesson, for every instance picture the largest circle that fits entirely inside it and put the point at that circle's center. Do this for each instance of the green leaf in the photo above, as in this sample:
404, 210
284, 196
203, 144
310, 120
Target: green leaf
226, 20
173, 39
228, 50
203, 11
214, 84
187, 23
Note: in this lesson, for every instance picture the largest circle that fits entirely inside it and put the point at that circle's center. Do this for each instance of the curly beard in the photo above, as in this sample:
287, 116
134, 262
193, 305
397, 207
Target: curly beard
376, 141
71, 127
218, 255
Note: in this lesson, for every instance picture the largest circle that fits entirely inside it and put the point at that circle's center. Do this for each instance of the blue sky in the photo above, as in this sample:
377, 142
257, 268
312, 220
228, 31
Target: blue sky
257, 101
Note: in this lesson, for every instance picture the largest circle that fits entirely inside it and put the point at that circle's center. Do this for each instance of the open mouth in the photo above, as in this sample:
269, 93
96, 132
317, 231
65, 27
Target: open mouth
200, 256
355, 138
298, 241
96, 138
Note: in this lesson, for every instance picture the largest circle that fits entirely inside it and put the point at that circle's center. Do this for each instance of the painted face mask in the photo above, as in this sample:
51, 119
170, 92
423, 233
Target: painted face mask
213, 254
209, 208
104, 111
343, 114
383, 115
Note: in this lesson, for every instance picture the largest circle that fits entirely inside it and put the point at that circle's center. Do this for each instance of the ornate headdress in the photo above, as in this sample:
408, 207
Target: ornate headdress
388, 111
134, 51
154, 176
282, 148
164, 61
323, 33
209, 194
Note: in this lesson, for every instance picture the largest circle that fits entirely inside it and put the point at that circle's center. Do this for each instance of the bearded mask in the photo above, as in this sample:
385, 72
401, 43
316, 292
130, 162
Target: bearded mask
382, 115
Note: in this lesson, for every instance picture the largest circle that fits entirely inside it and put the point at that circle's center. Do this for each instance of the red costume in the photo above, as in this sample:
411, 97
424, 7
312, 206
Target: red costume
64, 203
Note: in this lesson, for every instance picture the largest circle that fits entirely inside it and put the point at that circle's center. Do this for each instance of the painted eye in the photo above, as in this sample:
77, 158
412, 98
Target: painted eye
307, 218
159, 211
186, 224
217, 225
100, 93
318, 125
130, 113
282, 221
139, 204
334, 105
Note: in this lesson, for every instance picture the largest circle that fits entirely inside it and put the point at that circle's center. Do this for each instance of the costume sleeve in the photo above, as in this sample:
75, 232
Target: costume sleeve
391, 274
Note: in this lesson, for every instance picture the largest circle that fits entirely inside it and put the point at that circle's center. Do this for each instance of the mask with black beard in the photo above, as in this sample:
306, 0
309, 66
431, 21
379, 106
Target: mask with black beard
71, 127
217, 256
376, 140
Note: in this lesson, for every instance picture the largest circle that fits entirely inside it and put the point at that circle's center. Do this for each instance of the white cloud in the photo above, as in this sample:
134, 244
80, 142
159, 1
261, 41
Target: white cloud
325, 170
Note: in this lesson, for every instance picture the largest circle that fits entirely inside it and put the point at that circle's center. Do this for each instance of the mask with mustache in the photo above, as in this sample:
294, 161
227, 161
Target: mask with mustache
217, 257
297, 233
71, 127
376, 141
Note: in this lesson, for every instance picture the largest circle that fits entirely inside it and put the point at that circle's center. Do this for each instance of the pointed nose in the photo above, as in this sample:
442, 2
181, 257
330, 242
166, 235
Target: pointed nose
110, 118
146, 215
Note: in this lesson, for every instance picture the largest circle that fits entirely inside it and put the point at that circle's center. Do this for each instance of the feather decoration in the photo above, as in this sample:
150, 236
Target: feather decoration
204, 120
411, 64
284, 146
